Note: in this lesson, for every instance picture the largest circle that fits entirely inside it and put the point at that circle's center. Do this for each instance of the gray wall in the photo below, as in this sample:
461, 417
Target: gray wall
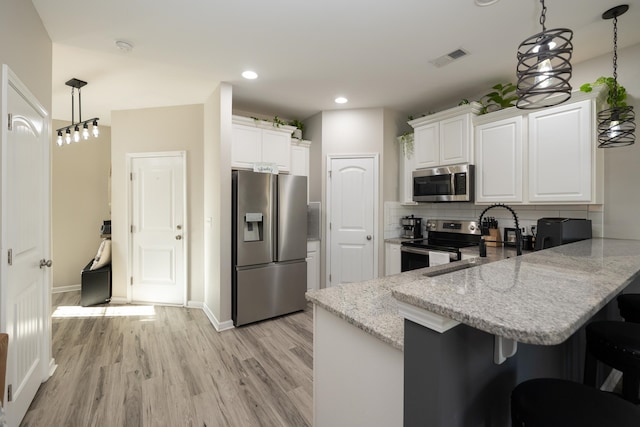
168, 129
26, 47
356, 131
622, 174
80, 187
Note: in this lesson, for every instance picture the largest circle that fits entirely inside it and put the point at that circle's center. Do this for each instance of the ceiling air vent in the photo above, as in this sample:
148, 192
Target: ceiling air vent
449, 57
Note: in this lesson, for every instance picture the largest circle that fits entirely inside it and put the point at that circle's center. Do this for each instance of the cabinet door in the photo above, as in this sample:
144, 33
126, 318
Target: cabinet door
427, 145
454, 140
313, 265
560, 154
407, 166
299, 160
247, 146
499, 161
392, 264
276, 148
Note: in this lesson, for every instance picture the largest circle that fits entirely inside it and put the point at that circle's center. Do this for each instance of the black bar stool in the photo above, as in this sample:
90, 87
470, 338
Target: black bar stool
629, 305
616, 344
550, 402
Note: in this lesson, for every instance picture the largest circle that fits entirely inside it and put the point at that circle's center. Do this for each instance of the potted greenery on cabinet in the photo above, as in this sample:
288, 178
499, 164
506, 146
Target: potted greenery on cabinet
299, 128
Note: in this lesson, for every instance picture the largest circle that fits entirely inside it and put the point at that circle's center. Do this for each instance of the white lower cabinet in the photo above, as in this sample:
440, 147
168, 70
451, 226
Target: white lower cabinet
358, 380
313, 265
392, 259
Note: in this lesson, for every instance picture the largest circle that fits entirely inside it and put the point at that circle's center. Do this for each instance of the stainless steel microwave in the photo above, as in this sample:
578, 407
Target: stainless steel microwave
453, 183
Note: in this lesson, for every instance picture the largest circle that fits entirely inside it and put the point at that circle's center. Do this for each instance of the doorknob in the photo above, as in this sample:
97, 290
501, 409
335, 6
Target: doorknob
369, 237
178, 237
45, 263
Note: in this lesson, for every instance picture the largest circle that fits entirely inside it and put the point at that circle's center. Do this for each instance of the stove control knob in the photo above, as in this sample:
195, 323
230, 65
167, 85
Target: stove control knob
472, 227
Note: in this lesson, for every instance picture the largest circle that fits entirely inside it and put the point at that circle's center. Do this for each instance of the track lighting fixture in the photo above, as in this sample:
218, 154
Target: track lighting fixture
77, 84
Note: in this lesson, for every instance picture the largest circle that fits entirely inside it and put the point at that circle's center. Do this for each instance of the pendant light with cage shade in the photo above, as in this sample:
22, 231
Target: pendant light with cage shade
544, 67
616, 125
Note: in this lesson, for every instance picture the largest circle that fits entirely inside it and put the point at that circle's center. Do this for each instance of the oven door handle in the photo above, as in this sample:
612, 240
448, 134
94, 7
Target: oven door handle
454, 256
413, 250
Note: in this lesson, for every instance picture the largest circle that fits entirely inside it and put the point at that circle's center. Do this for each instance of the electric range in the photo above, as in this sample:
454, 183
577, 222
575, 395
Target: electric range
443, 236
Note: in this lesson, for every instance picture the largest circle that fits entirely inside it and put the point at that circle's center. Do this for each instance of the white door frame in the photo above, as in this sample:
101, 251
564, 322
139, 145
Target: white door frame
185, 237
9, 78
376, 187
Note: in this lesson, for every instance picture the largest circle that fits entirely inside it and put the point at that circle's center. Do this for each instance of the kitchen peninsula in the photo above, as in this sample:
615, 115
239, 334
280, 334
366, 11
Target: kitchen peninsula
446, 349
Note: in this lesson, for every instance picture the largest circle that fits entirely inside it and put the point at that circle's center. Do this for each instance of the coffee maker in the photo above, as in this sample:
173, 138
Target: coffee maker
411, 227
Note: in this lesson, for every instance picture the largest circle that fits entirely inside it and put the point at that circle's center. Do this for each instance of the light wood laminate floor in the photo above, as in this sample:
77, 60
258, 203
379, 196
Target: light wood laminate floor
167, 366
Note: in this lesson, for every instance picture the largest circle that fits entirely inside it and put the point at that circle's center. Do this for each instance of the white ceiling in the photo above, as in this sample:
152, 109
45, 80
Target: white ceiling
376, 53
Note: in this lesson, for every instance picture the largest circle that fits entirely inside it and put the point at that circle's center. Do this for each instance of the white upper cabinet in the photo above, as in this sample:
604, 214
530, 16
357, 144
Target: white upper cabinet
260, 141
499, 163
427, 145
540, 157
561, 146
300, 157
247, 146
445, 138
455, 140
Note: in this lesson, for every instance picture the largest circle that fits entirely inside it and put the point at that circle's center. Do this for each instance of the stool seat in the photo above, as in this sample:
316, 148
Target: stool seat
549, 402
629, 306
616, 344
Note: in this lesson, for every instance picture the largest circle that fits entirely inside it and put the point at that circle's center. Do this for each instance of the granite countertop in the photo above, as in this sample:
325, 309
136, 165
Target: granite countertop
370, 306
539, 298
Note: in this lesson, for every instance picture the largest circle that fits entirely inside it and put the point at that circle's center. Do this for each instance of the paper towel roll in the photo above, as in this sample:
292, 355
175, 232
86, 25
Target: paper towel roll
438, 258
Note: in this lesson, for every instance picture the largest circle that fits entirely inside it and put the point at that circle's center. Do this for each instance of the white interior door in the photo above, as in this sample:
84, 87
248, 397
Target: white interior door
158, 228
25, 285
352, 217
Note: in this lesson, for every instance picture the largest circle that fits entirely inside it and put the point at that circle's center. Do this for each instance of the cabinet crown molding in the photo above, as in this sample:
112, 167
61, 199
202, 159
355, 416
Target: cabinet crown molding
473, 108
262, 124
300, 142
599, 93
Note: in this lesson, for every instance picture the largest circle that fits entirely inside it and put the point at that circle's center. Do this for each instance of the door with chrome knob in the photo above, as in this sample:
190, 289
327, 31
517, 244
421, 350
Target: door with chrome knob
159, 234
45, 263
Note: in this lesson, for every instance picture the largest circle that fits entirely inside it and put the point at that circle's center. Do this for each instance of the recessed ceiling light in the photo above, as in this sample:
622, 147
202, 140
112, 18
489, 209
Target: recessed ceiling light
485, 2
341, 100
124, 46
249, 75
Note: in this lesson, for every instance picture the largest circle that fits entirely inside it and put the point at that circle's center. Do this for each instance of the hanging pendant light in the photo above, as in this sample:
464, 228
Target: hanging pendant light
544, 67
77, 84
616, 126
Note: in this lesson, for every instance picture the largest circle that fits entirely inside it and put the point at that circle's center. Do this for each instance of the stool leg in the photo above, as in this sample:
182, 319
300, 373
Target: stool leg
590, 369
630, 386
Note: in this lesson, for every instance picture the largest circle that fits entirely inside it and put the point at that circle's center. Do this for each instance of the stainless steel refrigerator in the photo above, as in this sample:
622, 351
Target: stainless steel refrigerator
269, 245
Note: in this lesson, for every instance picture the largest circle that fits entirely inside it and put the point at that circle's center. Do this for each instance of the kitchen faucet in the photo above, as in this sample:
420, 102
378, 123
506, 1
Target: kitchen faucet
483, 246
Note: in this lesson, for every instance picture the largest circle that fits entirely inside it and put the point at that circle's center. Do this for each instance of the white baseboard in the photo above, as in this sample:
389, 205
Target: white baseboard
52, 367
61, 289
119, 300
215, 322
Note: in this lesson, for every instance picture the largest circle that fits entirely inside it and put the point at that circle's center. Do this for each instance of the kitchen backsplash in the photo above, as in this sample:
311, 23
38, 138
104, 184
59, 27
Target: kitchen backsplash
527, 215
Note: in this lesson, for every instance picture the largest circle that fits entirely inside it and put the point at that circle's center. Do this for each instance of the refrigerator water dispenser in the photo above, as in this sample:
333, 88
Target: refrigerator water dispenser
253, 226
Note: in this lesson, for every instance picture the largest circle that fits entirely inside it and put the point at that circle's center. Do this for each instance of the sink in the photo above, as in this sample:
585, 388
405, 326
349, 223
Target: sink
448, 270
